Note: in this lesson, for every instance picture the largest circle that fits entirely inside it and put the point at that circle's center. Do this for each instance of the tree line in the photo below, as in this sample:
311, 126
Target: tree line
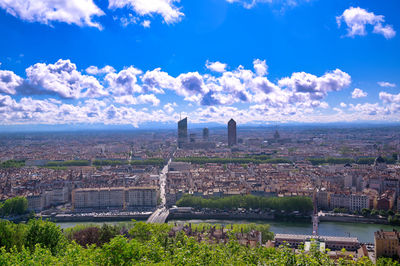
150, 161
289, 204
44, 243
244, 160
12, 164
68, 163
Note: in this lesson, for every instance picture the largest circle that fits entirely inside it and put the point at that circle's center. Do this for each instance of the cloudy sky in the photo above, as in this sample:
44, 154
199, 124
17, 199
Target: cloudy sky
141, 62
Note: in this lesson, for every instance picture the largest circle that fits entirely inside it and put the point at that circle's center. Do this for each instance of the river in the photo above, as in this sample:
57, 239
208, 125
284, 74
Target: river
364, 232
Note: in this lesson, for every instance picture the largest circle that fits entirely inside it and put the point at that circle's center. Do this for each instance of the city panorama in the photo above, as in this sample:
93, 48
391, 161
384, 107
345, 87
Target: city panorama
213, 132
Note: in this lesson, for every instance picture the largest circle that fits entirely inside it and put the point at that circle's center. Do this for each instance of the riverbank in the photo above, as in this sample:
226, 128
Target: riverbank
348, 218
59, 218
187, 214
221, 216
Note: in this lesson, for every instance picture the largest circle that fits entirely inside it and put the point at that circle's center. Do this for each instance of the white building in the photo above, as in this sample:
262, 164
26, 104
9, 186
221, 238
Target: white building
353, 202
359, 202
141, 197
114, 198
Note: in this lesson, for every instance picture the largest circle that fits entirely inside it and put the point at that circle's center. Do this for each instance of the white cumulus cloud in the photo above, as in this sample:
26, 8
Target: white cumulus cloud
385, 84
63, 79
358, 93
357, 19
387, 31
116, 97
216, 66
317, 87
141, 99
252, 3
79, 12
94, 70
370, 109
146, 24
169, 107
124, 82
260, 66
157, 80
9, 81
389, 98
165, 8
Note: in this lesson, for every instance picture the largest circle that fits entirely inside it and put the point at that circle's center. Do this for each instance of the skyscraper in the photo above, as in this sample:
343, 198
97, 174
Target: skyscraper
205, 134
182, 132
231, 132
192, 137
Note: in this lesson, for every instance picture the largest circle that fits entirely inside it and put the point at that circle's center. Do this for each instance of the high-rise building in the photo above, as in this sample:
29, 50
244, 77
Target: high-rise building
182, 132
231, 132
205, 134
276, 135
192, 138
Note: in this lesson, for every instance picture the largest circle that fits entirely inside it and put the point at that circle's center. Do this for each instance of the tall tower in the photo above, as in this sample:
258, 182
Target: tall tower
205, 134
182, 132
231, 132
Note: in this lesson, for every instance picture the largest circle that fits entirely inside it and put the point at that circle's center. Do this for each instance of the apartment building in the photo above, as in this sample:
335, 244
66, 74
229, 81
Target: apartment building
385, 201
358, 202
114, 198
48, 198
386, 243
340, 201
352, 202
323, 199
144, 196
36, 203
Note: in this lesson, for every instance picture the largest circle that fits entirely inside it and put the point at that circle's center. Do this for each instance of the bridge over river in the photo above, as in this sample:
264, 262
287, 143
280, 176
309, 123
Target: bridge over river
159, 216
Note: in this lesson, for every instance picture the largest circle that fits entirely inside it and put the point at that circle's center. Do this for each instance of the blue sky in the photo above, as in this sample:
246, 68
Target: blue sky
135, 62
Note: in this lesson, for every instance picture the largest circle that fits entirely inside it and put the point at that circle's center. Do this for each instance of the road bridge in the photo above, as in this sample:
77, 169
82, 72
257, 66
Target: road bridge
159, 216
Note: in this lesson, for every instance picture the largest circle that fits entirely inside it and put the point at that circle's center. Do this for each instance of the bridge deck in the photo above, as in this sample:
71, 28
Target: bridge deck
159, 216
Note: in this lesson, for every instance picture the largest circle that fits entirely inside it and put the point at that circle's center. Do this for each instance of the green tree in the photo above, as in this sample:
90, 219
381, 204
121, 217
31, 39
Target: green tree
289, 204
160, 249
365, 212
383, 213
12, 235
46, 234
14, 206
374, 212
107, 232
12, 164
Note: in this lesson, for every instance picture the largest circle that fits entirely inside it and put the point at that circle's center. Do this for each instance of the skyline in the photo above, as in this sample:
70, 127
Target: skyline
259, 62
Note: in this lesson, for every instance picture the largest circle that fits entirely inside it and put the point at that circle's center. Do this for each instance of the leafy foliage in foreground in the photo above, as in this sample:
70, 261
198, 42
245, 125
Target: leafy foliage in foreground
146, 244
302, 204
266, 234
